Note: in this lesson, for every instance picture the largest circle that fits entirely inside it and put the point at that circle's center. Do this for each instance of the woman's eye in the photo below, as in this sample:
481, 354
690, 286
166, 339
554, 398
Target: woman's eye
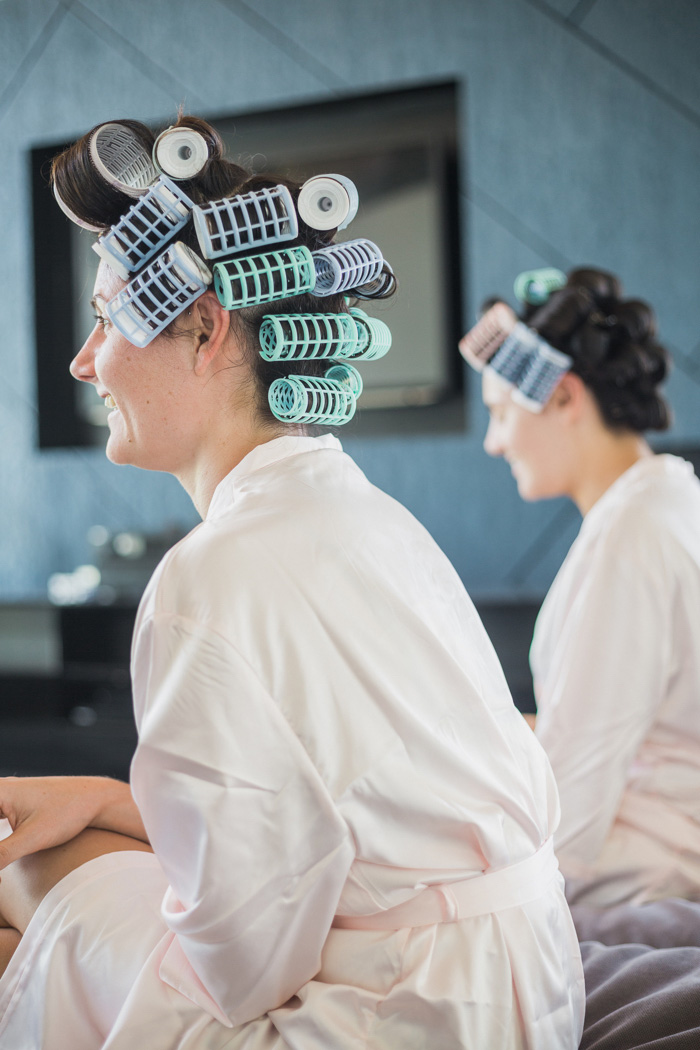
103, 322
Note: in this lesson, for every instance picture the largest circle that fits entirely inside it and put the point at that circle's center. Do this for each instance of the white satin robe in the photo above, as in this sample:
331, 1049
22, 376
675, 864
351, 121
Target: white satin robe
616, 666
324, 729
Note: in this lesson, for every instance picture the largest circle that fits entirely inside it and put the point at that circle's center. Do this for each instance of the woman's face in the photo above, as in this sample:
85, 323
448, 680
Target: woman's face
149, 391
533, 444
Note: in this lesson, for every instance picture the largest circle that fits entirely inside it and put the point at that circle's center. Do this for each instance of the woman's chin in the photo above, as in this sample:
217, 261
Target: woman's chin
527, 489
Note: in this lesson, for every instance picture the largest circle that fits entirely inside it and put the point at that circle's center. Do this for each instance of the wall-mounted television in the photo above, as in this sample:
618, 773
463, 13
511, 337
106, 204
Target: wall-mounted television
400, 149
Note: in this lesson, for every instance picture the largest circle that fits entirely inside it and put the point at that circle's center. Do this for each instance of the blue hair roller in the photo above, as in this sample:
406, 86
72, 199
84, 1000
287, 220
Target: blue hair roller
293, 337
545, 369
154, 297
536, 286
374, 336
256, 279
351, 264
155, 217
311, 399
248, 220
512, 358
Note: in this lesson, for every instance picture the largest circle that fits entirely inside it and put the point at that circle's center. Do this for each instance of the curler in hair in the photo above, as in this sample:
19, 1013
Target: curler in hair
536, 385
121, 159
328, 202
379, 287
147, 225
70, 214
536, 286
512, 358
374, 336
292, 337
345, 266
181, 153
153, 298
311, 399
348, 377
248, 220
256, 279
483, 340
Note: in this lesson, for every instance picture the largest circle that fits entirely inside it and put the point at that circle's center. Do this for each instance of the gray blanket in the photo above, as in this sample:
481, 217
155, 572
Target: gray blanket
642, 968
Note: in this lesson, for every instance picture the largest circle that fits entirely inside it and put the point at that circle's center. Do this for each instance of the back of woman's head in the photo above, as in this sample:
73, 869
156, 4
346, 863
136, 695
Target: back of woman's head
612, 342
93, 202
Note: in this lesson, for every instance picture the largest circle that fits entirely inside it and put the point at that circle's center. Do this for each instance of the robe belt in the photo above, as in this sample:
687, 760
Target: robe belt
493, 891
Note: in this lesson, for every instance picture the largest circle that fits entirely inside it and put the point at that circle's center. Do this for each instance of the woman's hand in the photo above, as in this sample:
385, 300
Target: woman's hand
48, 811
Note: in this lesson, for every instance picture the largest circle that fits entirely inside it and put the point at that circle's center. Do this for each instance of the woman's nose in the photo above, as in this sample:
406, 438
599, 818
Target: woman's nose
493, 445
83, 364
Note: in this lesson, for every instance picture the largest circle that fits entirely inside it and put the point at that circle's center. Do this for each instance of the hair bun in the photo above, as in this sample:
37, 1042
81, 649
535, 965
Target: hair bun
562, 315
605, 287
636, 320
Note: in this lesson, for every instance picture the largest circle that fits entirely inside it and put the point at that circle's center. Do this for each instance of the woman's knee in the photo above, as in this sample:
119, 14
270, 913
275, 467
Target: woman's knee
25, 882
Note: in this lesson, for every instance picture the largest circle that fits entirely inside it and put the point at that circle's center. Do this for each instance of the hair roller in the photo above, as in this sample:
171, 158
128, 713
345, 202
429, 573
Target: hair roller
256, 279
121, 158
328, 202
149, 223
545, 368
292, 337
512, 359
249, 220
348, 377
345, 266
311, 399
153, 298
536, 286
483, 340
374, 337
180, 152
380, 287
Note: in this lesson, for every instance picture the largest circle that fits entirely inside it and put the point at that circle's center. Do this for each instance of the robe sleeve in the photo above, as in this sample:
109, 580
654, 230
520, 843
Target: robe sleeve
254, 850
603, 689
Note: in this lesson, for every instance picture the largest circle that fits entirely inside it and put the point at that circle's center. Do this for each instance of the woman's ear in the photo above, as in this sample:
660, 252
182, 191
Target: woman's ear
570, 395
211, 325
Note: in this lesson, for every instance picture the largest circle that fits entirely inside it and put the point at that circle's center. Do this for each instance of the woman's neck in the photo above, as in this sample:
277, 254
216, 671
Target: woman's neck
604, 459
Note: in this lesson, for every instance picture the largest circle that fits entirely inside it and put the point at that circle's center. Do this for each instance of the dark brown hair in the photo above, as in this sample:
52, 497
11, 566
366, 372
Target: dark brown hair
92, 199
613, 344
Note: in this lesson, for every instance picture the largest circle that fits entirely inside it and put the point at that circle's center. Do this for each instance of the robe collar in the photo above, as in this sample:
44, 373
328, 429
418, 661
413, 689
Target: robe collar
264, 456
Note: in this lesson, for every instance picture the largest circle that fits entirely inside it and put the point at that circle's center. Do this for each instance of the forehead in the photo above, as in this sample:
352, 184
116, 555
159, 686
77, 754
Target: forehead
107, 283
494, 390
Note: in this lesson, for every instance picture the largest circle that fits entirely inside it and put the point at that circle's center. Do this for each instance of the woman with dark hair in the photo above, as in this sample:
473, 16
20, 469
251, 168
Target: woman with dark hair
571, 389
340, 828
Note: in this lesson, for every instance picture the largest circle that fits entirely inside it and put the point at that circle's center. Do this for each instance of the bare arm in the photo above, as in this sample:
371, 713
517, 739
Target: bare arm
47, 811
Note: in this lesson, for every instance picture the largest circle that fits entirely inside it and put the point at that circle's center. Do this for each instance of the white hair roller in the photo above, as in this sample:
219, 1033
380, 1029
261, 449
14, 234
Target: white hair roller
151, 221
247, 220
347, 265
180, 153
328, 202
158, 294
72, 216
121, 159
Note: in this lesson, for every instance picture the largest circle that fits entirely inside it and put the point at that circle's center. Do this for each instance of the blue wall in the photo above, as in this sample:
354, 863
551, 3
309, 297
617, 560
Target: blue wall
581, 144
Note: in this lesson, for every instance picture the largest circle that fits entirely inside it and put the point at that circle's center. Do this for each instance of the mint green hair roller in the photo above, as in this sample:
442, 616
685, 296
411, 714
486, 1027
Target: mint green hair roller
348, 377
293, 337
536, 286
374, 336
311, 399
255, 279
